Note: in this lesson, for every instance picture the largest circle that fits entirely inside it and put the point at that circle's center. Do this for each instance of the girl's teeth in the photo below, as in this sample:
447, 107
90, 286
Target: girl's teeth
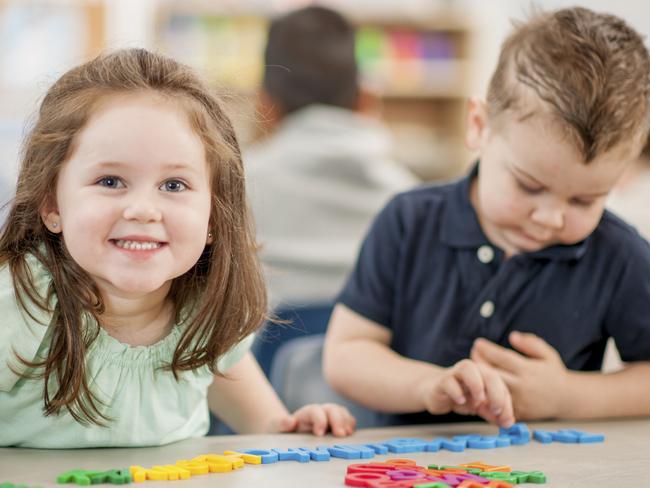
137, 246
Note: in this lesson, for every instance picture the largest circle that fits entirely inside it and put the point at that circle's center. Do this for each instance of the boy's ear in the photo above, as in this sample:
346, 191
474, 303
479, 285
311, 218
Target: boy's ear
477, 129
51, 219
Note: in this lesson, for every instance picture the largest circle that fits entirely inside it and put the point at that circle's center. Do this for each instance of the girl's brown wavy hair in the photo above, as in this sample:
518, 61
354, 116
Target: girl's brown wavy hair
224, 290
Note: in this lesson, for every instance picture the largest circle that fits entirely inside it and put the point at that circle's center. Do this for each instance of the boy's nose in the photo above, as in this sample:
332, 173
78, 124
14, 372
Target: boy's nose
549, 217
142, 209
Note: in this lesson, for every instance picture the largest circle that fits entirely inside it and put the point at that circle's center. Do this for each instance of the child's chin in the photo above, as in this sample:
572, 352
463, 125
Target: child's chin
140, 288
524, 243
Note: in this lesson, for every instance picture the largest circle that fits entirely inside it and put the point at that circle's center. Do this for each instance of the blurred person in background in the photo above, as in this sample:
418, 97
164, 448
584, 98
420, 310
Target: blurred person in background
325, 169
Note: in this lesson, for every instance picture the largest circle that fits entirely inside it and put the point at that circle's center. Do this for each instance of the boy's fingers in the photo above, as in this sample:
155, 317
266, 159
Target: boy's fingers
499, 398
497, 356
453, 389
507, 417
464, 410
496, 391
532, 345
510, 379
468, 374
476, 356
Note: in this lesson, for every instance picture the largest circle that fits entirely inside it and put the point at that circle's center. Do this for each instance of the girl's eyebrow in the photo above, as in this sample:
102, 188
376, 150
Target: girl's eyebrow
166, 166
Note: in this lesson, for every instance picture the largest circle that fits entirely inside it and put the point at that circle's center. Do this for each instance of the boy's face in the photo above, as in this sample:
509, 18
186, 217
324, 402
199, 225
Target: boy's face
534, 189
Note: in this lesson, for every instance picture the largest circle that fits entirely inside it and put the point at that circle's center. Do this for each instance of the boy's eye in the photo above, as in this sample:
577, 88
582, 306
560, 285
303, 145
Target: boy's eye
529, 189
173, 186
581, 203
111, 182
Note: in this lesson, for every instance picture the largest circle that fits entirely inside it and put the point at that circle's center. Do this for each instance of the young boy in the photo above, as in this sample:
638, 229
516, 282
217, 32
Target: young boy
498, 292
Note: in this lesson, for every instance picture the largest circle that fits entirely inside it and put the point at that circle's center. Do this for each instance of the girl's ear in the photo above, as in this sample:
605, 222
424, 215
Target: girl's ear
477, 129
51, 219
210, 238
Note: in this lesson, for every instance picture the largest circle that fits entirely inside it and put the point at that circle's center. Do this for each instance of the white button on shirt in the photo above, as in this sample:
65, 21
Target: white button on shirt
487, 309
485, 254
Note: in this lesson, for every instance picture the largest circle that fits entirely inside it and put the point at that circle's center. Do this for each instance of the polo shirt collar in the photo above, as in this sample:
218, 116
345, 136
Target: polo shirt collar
460, 225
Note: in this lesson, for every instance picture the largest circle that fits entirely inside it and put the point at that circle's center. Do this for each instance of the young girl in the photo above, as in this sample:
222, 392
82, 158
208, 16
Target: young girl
129, 282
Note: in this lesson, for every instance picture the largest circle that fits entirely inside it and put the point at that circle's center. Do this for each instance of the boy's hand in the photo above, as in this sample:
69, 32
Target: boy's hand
317, 419
469, 388
535, 375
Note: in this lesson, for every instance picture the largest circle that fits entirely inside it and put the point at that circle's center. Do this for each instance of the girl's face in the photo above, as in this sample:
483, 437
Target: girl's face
133, 200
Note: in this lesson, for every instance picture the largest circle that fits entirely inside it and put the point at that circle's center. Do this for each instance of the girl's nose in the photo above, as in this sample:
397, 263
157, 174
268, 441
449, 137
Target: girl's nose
142, 209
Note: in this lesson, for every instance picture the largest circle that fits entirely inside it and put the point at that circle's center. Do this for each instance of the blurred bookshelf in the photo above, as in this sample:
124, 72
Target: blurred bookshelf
418, 64
41, 40
416, 57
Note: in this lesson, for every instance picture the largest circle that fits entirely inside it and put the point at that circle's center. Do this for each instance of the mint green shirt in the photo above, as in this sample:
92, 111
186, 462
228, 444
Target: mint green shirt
147, 405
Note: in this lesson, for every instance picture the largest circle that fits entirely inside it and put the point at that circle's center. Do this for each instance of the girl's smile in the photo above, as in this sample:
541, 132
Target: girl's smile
139, 248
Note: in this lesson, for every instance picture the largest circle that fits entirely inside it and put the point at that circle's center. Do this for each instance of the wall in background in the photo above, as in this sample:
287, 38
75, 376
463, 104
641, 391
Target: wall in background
42, 38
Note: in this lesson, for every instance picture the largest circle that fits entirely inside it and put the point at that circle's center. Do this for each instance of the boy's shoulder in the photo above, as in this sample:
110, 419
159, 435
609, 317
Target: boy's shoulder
611, 225
439, 212
435, 205
613, 232
429, 196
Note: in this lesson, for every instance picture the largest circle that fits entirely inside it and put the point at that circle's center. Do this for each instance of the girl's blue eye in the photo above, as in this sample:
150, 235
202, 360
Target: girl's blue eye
110, 182
173, 186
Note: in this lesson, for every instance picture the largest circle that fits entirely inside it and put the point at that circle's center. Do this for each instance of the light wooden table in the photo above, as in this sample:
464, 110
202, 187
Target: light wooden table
622, 460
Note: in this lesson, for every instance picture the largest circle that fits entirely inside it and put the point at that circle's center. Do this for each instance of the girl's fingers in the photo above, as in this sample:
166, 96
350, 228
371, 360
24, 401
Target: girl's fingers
313, 420
340, 420
286, 424
318, 418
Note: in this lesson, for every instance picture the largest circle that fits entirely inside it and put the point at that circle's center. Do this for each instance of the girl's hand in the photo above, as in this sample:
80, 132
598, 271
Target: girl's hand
469, 388
318, 419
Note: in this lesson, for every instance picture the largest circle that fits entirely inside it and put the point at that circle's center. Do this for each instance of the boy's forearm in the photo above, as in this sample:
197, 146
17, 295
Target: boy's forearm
625, 393
373, 375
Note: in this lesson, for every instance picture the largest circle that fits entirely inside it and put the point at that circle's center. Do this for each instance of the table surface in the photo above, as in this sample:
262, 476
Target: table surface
622, 460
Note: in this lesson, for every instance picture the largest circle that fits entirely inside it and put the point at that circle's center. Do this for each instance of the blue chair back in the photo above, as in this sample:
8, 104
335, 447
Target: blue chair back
297, 377
301, 321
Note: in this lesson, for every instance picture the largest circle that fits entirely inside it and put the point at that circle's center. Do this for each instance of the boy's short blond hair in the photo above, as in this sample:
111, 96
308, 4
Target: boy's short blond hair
589, 71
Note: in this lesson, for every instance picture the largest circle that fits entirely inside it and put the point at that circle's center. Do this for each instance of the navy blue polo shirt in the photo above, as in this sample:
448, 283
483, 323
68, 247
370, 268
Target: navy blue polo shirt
427, 272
